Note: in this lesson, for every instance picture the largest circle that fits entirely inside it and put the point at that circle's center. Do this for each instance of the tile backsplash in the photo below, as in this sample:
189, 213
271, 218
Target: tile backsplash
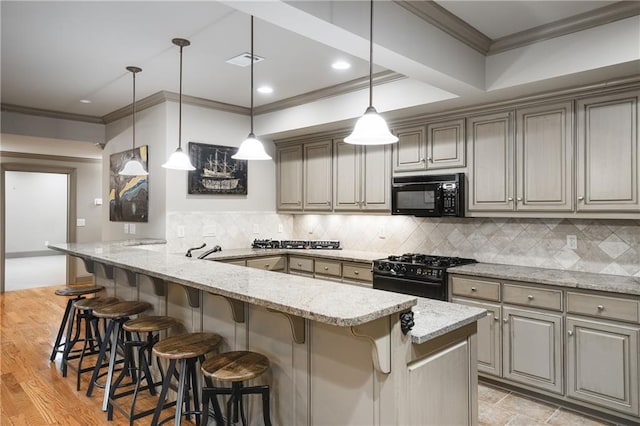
603, 246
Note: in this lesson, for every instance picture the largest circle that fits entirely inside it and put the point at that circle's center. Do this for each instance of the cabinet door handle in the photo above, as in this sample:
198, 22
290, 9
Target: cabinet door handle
600, 307
570, 332
474, 289
530, 297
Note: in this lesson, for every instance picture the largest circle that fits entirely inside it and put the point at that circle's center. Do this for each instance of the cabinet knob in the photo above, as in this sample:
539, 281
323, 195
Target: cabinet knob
299, 264
496, 319
581, 198
266, 265
530, 297
510, 199
600, 307
430, 160
519, 199
422, 160
326, 268
570, 332
474, 289
356, 273
505, 320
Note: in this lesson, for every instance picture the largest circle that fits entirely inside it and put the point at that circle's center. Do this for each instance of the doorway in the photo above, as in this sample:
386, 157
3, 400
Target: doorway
38, 207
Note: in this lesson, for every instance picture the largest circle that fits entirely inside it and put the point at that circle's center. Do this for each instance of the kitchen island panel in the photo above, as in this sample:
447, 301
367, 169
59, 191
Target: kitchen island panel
217, 317
179, 307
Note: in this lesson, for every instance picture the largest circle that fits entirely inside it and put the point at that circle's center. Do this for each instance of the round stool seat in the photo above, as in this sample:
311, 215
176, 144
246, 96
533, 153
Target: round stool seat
185, 346
150, 324
79, 291
96, 302
121, 309
236, 366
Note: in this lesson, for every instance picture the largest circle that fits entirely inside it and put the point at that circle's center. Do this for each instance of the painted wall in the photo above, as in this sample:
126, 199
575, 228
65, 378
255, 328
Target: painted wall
45, 127
35, 211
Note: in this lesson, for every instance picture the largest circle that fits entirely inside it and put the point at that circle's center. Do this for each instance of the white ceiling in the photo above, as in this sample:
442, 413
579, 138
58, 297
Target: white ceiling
56, 53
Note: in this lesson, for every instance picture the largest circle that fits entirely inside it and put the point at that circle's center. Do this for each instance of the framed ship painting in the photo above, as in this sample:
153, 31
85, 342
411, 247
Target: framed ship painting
216, 172
128, 195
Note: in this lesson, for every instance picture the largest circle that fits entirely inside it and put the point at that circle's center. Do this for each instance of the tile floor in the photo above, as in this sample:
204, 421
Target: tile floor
499, 407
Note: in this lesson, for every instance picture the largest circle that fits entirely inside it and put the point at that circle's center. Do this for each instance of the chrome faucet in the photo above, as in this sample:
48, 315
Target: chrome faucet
208, 252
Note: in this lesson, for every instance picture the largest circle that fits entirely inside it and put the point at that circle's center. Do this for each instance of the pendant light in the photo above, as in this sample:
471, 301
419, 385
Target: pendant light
179, 160
251, 148
371, 129
133, 167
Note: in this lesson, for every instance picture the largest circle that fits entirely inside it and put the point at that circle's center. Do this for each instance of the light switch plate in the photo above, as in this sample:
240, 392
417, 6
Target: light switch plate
126, 228
97, 201
181, 231
132, 228
80, 222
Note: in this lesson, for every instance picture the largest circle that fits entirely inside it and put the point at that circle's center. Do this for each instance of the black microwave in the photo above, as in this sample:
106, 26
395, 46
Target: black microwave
428, 195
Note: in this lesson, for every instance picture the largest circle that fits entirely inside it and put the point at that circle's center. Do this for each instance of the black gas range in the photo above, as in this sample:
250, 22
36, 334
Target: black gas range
415, 274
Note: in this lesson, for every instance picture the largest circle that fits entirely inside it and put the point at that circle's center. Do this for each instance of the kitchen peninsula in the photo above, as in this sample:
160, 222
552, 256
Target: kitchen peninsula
338, 352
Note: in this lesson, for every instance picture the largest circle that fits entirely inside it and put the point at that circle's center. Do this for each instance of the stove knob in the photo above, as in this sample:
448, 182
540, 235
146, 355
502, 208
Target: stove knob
403, 269
396, 268
387, 267
380, 267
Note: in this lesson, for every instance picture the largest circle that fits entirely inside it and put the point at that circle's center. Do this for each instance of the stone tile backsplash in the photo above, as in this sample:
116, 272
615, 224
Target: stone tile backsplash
604, 246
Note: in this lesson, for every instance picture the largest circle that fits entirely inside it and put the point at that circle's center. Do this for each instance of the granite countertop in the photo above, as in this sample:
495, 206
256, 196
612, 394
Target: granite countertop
318, 300
434, 318
571, 279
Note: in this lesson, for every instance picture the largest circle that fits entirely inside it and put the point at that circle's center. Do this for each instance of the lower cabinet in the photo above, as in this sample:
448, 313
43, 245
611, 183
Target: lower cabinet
602, 364
532, 348
270, 263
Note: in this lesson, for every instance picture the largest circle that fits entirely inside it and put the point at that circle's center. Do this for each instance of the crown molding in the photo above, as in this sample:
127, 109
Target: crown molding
51, 114
583, 21
327, 92
441, 18
65, 158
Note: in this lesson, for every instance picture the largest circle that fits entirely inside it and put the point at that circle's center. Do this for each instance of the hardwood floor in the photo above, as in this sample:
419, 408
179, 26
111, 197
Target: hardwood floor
32, 389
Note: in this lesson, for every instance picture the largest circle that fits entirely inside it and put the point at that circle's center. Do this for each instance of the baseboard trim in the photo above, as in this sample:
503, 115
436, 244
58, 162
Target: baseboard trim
36, 253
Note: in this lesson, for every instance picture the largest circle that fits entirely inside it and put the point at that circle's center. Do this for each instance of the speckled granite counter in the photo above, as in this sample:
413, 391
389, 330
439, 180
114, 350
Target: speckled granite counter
573, 279
434, 318
317, 300
344, 255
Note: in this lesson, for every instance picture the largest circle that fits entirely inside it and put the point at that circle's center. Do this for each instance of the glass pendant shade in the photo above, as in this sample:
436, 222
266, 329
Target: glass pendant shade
179, 161
371, 129
133, 167
251, 149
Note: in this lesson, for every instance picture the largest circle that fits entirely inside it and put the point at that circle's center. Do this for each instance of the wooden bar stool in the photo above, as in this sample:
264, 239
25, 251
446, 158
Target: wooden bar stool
92, 336
185, 349
150, 325
118, 313
69, 320
235, 367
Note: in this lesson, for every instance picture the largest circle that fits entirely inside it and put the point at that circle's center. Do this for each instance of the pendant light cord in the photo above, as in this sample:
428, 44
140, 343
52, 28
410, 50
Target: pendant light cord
371, 56
134, 116
180, 105
252, 61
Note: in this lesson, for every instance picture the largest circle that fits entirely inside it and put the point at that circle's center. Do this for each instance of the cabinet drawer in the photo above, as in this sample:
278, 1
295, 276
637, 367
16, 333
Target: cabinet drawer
358, 272
324, 267
239, 262
532, 296
603, 306
273, 263
476, 289
300, 264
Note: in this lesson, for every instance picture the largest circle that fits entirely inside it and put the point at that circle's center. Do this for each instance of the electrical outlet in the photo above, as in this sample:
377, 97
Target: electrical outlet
181, 231
572, 242
280, 228
46, 243
126, 228
209, 231
132, 228
256, 228
381, 233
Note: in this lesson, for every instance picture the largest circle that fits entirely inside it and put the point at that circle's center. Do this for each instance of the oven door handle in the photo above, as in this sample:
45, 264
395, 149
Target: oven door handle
432, 282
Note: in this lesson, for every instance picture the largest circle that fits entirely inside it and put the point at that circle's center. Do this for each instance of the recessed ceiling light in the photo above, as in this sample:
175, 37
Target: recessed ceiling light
85, 101
265, 90
341, 65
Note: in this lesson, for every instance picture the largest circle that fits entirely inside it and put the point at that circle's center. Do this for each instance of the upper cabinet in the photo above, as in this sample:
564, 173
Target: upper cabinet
289, 177
529, 169
317, 176
362, 177
544, 157
491, 162
608, 154
438, 145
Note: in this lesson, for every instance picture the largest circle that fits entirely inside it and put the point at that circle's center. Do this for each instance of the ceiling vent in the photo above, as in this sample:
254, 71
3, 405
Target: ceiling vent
244, 59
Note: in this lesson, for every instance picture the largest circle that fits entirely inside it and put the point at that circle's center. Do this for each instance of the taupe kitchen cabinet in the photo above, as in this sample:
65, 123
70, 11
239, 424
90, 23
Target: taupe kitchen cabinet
602, 363
269, 263
317, 176
436, 145
544, 157
490, 142
361, 177
529, 169
289, 177
607, 152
